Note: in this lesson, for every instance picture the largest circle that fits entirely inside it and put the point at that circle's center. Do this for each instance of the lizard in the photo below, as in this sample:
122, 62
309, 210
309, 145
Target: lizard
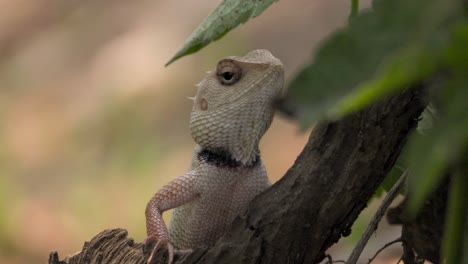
232, 109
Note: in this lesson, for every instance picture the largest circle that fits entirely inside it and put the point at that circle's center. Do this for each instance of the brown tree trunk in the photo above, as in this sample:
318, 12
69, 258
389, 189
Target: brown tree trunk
313, 205
422, 235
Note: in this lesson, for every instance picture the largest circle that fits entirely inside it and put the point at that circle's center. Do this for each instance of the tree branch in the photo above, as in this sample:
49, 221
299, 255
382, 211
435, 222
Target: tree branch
353, 258
398, 240
317, 201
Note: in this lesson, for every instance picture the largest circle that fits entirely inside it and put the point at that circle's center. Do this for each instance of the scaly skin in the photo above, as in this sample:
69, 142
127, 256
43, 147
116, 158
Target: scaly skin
232, 110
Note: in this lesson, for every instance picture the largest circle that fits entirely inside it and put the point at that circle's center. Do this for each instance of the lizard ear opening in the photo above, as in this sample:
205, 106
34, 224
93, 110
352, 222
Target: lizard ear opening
228, 72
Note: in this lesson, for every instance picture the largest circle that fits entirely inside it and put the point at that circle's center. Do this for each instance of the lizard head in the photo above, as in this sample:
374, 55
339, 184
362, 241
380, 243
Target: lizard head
234, 104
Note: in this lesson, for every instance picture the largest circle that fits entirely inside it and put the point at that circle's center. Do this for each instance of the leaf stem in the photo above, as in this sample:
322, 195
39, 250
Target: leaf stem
455, 219
354, 8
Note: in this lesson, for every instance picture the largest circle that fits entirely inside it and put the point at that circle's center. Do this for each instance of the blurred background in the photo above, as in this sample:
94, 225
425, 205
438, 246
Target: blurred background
92, 123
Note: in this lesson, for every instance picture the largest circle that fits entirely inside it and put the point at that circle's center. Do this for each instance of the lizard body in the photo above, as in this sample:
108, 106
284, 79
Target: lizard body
203, 220
233, 108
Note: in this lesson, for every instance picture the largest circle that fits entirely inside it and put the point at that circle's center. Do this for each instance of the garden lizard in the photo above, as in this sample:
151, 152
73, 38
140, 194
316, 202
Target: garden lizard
232, 109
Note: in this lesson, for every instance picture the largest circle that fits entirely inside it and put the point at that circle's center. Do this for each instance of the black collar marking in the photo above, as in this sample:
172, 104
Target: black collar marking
222, 158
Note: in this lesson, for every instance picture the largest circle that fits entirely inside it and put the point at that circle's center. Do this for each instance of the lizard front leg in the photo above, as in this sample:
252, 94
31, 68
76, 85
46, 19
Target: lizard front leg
173, 194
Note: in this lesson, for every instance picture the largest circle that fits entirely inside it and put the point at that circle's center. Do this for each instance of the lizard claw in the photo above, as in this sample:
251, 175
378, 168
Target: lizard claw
160, 244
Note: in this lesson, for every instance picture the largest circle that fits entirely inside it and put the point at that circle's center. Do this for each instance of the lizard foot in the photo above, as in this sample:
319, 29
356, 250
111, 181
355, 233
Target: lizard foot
160, 243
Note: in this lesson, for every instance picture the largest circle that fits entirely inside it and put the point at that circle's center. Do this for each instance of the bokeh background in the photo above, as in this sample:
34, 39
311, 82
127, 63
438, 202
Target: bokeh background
92, 123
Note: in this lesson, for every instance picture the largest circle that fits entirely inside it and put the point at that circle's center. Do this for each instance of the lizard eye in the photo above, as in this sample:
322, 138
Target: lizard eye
228, 72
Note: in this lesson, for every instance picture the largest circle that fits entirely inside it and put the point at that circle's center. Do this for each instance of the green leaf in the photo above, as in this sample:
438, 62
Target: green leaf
456, 55
428, 118
381, 52
392, 177
430, 154
455, 226
228, 15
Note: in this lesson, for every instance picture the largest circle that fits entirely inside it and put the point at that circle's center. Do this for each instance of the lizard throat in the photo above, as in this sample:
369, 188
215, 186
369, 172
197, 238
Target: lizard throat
222, 158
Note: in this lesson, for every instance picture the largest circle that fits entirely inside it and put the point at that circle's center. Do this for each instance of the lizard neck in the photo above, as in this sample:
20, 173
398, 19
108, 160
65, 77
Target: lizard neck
222, 158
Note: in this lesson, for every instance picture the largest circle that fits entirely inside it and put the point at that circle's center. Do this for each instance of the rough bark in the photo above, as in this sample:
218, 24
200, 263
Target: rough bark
319, 198
109, 246
428, 225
